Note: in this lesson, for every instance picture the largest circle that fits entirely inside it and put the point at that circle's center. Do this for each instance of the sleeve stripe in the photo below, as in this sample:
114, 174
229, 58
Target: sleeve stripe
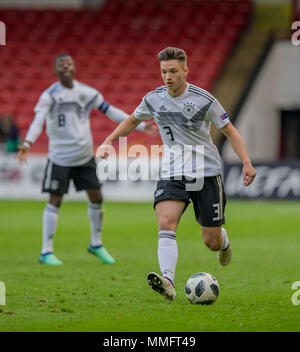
104, 106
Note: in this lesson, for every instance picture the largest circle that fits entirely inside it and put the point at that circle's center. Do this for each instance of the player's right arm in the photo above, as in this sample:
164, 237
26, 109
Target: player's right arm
35, 129
123, 130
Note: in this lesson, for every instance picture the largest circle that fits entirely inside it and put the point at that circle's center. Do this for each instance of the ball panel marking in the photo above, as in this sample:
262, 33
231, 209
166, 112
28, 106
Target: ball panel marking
198, 275
202, 288
215, 289
187, 289
213, 278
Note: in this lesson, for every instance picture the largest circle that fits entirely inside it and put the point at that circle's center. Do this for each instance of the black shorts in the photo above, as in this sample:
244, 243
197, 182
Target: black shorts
57, 178
209, 203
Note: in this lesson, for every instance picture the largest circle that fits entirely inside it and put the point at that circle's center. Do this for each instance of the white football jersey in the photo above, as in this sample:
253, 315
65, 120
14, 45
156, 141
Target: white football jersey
184, 124
67, 122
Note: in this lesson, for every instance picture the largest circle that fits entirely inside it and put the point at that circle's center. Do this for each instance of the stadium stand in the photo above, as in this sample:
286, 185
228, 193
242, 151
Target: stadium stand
114, 51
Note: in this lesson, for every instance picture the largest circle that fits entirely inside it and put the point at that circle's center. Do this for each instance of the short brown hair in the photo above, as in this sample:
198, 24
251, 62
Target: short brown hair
171, 53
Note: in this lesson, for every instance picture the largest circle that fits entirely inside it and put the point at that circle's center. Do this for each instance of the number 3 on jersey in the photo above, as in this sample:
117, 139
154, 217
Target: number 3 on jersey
169, 131
61, 120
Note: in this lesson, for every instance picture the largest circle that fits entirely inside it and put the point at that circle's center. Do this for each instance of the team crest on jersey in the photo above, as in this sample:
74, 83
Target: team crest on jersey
189, 109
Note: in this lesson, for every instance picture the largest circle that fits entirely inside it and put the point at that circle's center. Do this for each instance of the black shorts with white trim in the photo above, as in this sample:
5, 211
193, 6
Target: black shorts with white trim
57, 178
209, 202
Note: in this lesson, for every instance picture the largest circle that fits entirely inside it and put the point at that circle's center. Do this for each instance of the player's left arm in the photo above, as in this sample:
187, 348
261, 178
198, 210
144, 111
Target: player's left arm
119, 115
238, 146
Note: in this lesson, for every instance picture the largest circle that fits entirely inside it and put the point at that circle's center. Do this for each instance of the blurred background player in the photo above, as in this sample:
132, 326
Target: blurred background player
66, 106
9, 134
184, 113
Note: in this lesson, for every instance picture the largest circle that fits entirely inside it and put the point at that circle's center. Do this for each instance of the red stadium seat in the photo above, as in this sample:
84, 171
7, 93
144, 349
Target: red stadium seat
115, 50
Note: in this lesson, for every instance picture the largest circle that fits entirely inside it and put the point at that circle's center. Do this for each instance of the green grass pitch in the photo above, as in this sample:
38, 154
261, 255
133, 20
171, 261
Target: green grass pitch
86, 295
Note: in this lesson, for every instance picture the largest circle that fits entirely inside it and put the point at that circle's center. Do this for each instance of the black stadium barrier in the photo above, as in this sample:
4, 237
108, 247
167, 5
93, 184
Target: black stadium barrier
274, 180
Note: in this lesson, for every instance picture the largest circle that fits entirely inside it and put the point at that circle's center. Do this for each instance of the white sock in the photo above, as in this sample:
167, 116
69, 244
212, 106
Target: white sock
95, 215
50, 217
225, 242
167, 253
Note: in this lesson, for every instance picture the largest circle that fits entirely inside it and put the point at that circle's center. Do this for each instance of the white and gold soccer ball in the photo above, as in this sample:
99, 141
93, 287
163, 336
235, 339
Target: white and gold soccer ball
202, 288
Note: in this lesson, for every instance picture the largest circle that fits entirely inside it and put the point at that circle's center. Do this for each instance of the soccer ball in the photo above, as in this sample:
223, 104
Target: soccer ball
202, 288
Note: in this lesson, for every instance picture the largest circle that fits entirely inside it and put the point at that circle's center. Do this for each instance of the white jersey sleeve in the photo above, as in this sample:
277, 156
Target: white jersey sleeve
217, 115
98, 101
142, 112
119, 115
116, 114
41, 111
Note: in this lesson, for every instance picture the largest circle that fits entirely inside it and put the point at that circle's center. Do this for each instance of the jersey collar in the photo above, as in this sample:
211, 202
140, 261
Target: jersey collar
180, 96
74, 85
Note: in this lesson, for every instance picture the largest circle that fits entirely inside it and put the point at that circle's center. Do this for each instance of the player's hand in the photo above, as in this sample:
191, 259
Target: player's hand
104, 150
22, 153
151, 129
249, 174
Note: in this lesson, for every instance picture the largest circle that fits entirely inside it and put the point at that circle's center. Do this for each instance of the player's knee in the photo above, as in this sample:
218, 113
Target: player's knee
96, 201
212, 244
95, 196
55, 200
167, 224
212, 238
57, 203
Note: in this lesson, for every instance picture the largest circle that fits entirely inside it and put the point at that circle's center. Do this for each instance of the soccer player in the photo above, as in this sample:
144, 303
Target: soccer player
66, 106
184, 113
